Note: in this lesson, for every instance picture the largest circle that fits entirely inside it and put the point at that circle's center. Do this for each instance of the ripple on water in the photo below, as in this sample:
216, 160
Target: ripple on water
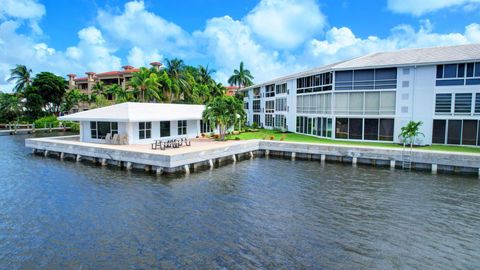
253, 214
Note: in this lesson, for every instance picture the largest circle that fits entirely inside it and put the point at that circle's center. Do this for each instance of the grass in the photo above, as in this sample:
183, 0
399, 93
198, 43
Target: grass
294, 137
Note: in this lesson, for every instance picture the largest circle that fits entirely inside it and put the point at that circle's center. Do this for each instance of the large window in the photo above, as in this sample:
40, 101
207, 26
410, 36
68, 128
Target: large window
256, 120
371, 129
256, 106
144, 130
366, 79
458, 74
386, 130
280, 121
463, 103
443, 103
341, 128
281, 104
164, 128
256, 92
315, 103
269, 106
315, 83
355, 128
281, 88
465, 132
182, 127
245, 105
270, 90
365, 103
99, 130
269, 120
477, 103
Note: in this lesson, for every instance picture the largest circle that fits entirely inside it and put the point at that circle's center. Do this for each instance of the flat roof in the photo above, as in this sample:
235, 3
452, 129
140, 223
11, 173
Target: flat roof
139, 112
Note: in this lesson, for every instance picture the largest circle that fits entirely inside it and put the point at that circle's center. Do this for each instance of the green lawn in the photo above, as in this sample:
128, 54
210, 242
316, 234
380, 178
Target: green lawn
293, 137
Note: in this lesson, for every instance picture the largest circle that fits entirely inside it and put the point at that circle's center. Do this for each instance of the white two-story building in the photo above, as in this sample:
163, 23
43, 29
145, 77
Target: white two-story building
370, 98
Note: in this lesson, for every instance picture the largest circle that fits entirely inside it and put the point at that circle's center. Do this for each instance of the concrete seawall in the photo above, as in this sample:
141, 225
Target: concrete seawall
193, 159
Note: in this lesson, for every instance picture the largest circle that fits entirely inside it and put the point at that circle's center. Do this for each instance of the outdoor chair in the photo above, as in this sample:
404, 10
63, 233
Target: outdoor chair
108, 138
124, 139
115, 139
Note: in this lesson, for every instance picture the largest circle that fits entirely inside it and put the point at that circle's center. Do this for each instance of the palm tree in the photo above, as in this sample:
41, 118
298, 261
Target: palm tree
223, 112
205, 75
121, 95
72, 98
410, 132
10, 106
22, 77
146, 82
180, 79
241, 77
98, 88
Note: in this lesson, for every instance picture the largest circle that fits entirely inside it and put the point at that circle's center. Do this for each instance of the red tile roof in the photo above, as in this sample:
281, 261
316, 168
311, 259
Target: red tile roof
81, 79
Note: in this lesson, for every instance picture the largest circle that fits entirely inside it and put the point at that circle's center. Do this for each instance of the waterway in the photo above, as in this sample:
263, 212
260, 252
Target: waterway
260, 213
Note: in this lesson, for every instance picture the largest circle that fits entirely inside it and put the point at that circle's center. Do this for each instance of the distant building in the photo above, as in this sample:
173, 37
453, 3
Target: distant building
370, 98
231, 90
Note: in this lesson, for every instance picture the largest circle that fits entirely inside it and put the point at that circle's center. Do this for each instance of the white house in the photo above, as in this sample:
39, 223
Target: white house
370, 98
142, 123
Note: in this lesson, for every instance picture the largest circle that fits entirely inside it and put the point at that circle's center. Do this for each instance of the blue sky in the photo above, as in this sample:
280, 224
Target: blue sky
272, 37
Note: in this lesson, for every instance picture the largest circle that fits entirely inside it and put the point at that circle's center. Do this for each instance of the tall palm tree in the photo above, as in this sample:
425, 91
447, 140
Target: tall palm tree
10, 106
223, 112
22, 77
121, 95
98, 88
180, 79
241, 77
205, 75
146, 82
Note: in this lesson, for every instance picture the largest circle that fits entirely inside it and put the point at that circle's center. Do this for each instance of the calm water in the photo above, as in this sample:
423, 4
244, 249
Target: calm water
254, 214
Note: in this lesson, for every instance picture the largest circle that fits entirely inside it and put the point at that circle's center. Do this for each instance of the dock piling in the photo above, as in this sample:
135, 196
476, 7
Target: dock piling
434, 168
392, 164
103, 161
128, 165
187, 169
78, 158
62, 155
293, 155
45, 153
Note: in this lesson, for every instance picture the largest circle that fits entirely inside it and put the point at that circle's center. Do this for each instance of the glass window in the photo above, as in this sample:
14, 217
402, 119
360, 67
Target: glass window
355, 128
256, 106
450, 71
281, 88
372, 103
439, 71
165, 128
281, 104
280, 121
461, 71
470, 69
93, 130
256, 119
182, 127
356, 103
386, 130
270, 90
469, 132
341, 103
388, 73
454, 131
103, 129
463, 103
443, 103
371, 129
341, 128
477, 103
450, 82
343, 76
256, 92
329, 127
269, 106
363, 75
439, 128
269, 120
387, 102
477, 70
144, 130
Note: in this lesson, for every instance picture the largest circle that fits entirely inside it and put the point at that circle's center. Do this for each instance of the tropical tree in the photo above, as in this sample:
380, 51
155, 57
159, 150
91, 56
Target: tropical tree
410, 132
146, 83
181, 79
21, 75
51, 88
223, 112
98, 88
72, 98
205, 75
241, 77
10, 107
121, 95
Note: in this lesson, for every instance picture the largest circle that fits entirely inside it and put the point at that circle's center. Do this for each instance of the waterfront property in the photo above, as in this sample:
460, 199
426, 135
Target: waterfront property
370, 98
139, 123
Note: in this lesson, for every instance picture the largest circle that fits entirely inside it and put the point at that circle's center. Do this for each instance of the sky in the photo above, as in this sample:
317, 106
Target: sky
272, 37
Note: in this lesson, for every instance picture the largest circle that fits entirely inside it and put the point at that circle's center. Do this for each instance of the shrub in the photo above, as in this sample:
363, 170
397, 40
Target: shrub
237, 138
254, 125
74, 126
47, 121
282, 138
272, 138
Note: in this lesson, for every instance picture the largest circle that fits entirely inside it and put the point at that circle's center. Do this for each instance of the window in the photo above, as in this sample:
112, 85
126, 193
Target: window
387, 102
269, 106
280, 121
470, 67
99, 130
355, 128
314, 83
454, 74
450, 71
371, 129
270, 90
356, 103
443, 103
454, 131
256, 92
165, 128
281, 104
269, 120
469, 132
463, 103
341, 103
256, 106
365, 79
256, 120
439, 129
144, 130
341, 128
477, 103
245, 105
372, 103
182, 127
281, 88
386, 130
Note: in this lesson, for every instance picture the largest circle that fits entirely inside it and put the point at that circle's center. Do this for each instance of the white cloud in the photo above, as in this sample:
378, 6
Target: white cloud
138, 58
285, 23
91, 35
419, 8
21, 9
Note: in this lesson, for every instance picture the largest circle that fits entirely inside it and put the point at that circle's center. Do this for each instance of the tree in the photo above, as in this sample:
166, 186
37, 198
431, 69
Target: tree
410, 132
146, 83
241, 77
121, 95
181, 80
72, 98
223, 112
10, 107
51, 88
33, 103
21, 75
98, 88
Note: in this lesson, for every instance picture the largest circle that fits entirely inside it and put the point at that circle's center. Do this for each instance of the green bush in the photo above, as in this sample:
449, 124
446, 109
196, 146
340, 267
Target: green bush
47, 121
74, 126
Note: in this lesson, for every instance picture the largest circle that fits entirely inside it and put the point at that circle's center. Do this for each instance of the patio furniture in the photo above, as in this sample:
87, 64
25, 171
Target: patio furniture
115, 139
123, 139
108, 138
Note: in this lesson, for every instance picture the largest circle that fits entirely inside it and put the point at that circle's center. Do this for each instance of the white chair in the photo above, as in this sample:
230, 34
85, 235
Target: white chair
115, 139
108, 138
